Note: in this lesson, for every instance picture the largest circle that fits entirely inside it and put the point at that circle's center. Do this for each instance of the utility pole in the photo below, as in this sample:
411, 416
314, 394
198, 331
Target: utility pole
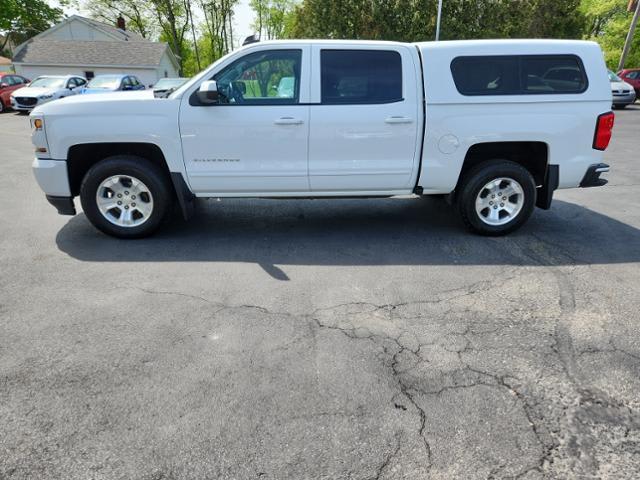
438, 21
632, 29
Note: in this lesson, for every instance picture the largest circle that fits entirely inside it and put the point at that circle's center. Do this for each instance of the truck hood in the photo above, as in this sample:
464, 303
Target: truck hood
112, 103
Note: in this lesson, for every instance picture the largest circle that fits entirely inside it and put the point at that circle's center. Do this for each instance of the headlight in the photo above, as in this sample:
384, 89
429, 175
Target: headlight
45, 97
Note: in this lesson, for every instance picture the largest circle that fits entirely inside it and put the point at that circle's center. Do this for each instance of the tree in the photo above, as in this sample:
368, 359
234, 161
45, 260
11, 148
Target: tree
608, 22
218, 25
414, 20
272, 17
137, 14
22, 19
173, 17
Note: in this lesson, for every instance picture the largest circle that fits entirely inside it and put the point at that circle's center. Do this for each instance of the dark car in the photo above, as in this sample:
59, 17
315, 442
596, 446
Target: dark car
632, 77
165, 86
113, 83
9, 82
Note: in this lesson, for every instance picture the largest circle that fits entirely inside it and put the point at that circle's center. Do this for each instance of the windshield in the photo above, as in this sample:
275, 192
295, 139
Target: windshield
613, 77
48, 82
167, 83
105, 81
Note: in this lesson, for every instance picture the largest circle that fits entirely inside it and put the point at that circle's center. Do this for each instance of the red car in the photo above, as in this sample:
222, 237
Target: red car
8, 83
632, 77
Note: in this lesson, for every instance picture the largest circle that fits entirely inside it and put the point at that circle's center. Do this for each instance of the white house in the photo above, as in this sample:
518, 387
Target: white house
5, 65
81, 46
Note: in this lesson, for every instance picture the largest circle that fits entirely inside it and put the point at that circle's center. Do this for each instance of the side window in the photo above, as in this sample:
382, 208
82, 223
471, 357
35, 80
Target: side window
553, 74
262, 78
12, 80
518, 75
71, 83
80, 81
486, 75
360, 77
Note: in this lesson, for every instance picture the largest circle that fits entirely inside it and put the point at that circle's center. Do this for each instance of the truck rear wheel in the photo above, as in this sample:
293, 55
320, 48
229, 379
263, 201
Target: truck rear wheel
496, 197
126, 196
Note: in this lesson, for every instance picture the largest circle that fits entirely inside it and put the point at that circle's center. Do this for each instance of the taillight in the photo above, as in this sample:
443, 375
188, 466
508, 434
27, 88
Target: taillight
604, 127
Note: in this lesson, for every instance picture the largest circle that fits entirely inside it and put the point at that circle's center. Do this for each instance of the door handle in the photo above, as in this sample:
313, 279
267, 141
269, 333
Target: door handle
288, 121
397, 119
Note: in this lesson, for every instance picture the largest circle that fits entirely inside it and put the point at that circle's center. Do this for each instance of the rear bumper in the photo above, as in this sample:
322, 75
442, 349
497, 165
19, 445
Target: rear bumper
592, 177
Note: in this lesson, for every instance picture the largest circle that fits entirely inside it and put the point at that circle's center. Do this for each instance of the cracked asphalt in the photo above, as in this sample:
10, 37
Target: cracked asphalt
345, 339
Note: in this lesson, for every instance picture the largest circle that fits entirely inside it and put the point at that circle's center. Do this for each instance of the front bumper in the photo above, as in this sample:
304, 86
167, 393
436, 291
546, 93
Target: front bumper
52, 176
624, 99
592, 177
15, 105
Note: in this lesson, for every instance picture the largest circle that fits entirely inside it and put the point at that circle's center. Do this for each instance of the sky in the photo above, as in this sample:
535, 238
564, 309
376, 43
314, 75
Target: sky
242, 20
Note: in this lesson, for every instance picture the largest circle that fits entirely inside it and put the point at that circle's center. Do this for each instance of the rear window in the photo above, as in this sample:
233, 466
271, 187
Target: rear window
360, 76
519, 75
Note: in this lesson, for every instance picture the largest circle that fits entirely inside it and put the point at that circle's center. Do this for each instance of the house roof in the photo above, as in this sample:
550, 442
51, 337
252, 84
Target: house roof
85, 52
127, 35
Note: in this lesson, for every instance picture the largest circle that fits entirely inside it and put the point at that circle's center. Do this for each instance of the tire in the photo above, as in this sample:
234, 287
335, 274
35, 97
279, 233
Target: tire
134, 182
486, 215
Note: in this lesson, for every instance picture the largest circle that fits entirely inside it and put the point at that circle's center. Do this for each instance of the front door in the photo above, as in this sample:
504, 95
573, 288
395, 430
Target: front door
364, 119
255, 140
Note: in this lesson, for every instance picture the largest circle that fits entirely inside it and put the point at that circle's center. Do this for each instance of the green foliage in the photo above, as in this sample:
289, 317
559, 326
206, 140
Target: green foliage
22, 19
272, 17
608, 23
415, 20
136, 14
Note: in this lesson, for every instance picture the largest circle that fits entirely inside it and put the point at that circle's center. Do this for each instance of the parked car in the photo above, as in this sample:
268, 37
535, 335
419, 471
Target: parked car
113, 83
632, 77
9, 83
44, 89
622, 92
165, 86
352, 122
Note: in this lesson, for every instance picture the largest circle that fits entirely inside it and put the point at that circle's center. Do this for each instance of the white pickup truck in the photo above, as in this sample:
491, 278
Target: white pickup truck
495, 126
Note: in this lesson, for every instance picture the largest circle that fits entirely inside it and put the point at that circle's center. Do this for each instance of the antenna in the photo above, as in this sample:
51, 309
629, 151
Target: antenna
251, 39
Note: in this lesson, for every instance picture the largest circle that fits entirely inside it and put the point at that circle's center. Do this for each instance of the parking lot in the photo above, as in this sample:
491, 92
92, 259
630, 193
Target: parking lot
360, 339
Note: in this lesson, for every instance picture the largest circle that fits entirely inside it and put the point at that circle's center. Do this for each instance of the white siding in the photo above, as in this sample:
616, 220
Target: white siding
166, 68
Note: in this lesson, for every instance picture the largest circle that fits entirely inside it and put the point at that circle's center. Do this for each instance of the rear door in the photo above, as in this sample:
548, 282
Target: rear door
364, 118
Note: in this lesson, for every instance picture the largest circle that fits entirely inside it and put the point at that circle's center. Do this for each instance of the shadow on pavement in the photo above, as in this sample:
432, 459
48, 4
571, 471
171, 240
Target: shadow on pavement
359, 232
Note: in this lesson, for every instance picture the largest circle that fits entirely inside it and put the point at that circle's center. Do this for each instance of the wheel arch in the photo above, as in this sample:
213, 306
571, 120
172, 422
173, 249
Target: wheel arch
82, 157
532, 155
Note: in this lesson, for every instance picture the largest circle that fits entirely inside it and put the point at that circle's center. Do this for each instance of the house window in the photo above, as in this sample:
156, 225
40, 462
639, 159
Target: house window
89, 75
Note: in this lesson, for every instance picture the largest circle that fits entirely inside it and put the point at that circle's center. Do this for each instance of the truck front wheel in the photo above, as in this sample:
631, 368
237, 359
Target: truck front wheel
126, 196
496, 197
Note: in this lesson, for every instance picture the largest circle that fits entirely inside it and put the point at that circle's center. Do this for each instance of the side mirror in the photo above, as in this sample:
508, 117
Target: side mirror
208, 92
4, 85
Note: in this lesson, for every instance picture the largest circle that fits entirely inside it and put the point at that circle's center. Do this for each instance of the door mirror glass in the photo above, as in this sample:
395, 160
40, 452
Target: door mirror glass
208, 92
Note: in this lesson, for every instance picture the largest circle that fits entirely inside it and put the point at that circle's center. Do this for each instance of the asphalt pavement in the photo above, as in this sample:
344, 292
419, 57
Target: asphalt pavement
321, 339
